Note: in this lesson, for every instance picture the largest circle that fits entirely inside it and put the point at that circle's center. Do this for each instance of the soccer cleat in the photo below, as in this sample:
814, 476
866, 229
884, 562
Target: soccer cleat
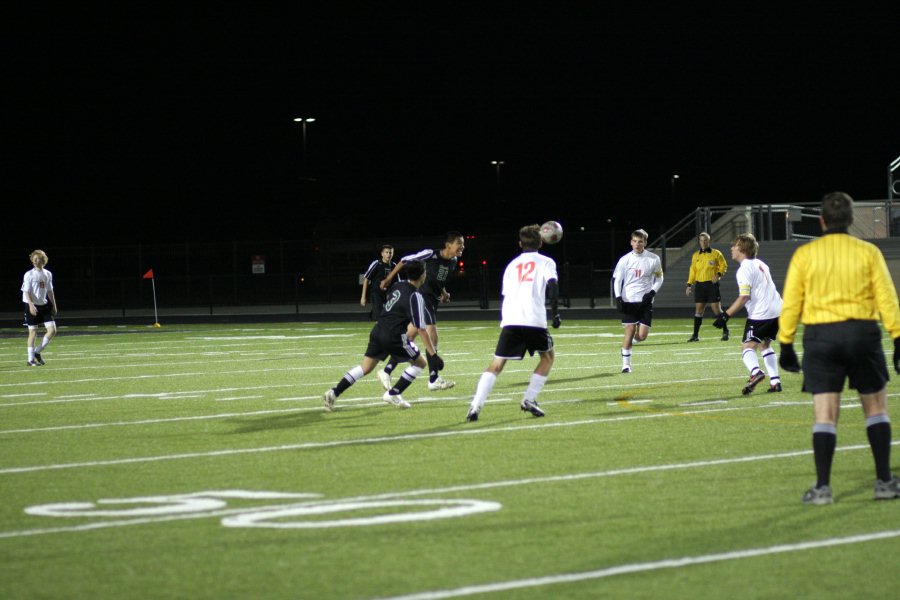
818, 496
886, 490
472, 415
532, 407
396, 399
752, 382
329, 398
33, 363
626, 369
775, 387
694, 338
38, 359
385, 380
440, 384
725, 337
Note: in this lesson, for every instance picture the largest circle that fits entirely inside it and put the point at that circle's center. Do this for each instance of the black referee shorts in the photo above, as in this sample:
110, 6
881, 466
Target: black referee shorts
706, 292
836, 352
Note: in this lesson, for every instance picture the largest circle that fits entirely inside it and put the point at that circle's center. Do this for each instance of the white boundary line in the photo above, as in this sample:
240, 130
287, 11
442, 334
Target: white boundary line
671, 563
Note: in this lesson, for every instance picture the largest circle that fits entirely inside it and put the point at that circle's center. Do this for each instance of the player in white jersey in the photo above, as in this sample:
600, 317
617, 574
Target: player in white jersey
39, 303
528, 282
636, 279
758, 294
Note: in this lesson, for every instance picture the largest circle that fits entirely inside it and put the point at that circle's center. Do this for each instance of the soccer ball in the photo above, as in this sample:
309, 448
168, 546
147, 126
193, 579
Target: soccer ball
551, 232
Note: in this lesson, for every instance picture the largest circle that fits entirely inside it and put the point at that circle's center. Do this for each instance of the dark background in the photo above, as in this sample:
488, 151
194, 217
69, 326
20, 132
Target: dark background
150, 123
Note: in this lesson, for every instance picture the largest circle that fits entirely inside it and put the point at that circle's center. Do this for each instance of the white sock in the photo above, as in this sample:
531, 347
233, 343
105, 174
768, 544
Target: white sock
751, 361
44, 343
535, 385
485, 385
30, 353
354, 374
771, 362
411, 372
626, 357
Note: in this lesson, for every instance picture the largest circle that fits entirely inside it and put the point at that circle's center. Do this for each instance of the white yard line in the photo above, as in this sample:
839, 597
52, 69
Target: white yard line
628, 568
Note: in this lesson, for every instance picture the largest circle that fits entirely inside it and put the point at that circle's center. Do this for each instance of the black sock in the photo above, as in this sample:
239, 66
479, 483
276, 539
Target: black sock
432, 370
824, 444
880, 441
389, 367
341, 387
697, 322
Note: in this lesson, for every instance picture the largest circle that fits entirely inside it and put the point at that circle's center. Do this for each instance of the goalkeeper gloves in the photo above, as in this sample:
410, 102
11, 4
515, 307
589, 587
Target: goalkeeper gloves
647, 298
556, 321
720, 321
788, 359
620, 306
897, 355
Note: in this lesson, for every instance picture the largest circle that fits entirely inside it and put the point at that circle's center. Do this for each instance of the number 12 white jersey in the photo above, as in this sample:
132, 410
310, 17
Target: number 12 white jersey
525, 288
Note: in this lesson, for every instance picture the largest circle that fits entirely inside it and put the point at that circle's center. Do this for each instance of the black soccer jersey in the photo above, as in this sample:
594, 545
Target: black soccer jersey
437, 269
378, 270
404, 305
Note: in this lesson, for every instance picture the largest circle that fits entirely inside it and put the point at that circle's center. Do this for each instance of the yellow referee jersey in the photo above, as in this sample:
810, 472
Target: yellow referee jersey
837, 278
705, 264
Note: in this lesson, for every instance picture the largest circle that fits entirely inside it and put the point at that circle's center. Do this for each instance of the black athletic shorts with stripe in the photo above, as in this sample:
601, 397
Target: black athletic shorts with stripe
515, 340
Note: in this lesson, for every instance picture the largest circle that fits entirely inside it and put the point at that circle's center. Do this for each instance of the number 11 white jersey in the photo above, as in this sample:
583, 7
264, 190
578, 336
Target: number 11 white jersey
525, 288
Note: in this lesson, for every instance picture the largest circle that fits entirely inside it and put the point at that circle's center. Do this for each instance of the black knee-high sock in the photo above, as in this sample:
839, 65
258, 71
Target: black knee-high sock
432, 369
697, 321
879, 431
391, 365
342, 386
824, 442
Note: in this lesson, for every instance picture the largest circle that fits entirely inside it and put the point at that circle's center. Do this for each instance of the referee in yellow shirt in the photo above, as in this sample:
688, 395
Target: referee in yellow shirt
707, 268
839, 287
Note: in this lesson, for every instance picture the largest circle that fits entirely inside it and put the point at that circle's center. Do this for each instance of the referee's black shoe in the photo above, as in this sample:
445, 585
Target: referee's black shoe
38, 359
725, 337
694, 338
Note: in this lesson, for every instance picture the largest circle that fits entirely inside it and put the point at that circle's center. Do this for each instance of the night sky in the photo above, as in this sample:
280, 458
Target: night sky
141, 123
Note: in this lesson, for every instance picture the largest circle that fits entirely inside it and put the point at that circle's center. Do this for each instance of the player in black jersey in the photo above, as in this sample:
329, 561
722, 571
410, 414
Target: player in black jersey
439, 266
378, 269
404, 306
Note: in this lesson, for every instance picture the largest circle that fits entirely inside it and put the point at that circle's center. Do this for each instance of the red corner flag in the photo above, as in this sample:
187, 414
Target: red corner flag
148, 274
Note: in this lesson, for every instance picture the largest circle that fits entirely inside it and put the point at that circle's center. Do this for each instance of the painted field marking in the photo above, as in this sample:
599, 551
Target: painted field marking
625, 569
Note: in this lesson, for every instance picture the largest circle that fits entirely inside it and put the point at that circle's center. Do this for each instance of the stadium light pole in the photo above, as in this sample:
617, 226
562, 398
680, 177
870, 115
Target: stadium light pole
498, 164
672, 187
303, 121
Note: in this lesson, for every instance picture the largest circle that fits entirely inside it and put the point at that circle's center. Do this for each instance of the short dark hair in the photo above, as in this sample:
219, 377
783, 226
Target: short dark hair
639, 233
530, 237
837, 210
386, 247
414, 269
452, 236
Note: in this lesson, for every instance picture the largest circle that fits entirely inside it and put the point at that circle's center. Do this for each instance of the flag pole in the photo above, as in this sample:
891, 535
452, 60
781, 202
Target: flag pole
155, 314
149, 275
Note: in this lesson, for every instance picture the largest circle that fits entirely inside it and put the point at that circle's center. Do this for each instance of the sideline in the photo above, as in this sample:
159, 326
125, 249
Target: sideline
671, 563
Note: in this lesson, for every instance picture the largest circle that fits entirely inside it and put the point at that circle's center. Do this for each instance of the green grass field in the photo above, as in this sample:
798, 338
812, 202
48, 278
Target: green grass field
197, 462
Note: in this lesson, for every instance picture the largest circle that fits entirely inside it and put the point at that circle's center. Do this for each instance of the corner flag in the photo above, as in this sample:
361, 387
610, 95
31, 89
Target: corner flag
149, 275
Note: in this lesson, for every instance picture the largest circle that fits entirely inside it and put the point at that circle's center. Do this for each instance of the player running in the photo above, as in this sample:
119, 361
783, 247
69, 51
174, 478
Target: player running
439, 265
527, 281
404, 306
